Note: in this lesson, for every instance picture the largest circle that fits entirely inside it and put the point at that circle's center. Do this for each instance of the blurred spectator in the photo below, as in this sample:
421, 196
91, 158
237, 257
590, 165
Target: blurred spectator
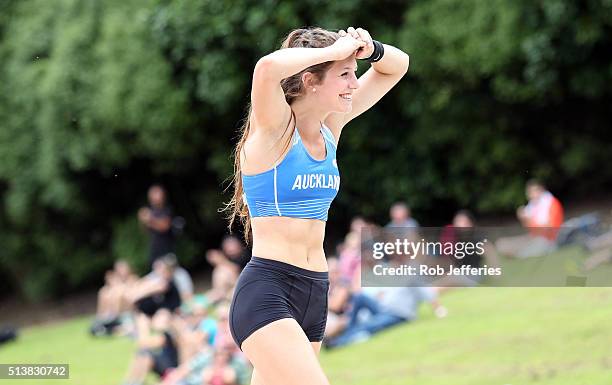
401, 216
196, 329
350, 258
597, 258
181, 277
463, 230
157, 218
349, 250
463, 219
156, 348
235, 251
338, 299
600, 247
220, 372
229, 366
542, 216
395, 305
111, 297
191, 372
224, 336
227, 264
357, 224
157, 290
7, 334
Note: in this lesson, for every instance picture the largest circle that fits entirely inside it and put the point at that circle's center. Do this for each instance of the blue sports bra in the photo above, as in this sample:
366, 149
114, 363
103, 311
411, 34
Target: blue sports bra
299, 186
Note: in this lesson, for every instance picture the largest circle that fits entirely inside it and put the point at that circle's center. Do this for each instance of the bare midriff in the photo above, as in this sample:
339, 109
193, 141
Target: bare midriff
295, 241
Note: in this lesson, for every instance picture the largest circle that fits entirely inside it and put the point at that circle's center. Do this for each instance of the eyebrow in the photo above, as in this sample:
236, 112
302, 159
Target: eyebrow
350, 68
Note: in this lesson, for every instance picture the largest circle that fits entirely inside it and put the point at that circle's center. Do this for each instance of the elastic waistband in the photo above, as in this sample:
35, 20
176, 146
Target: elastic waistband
287, 268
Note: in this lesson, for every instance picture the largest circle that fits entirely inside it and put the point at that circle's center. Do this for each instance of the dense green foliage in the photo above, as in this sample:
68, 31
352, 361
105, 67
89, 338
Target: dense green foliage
99, 99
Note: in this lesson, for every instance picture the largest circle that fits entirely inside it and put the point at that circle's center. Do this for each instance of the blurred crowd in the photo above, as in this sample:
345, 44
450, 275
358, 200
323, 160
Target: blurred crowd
183, 337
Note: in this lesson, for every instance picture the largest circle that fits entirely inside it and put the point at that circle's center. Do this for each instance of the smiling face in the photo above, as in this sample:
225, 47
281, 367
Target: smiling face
335, 91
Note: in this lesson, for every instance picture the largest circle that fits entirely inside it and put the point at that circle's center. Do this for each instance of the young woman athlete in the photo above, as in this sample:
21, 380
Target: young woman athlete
286, 177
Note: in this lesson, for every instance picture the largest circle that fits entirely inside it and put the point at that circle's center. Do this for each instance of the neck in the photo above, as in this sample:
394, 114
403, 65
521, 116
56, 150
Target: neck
308, 119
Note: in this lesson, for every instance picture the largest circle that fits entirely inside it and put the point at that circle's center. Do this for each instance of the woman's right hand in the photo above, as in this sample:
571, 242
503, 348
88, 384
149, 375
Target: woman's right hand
346, 46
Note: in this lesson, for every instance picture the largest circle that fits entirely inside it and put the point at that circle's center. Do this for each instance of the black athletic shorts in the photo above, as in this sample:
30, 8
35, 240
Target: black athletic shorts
269, 290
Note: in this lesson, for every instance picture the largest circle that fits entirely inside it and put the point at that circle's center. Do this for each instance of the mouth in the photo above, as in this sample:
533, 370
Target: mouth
348, 97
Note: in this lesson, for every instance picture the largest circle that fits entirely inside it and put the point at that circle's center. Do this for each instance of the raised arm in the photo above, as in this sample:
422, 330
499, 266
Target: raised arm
145, 287
269, 109
375, 82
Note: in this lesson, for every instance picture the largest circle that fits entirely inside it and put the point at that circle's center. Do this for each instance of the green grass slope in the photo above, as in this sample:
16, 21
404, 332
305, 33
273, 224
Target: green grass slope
502, 336
543, 336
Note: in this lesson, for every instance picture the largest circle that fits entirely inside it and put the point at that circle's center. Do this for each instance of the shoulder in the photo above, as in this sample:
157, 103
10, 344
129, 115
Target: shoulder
266, 137
282, 118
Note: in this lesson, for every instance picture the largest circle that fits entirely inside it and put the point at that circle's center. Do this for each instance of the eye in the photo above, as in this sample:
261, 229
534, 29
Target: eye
344, 74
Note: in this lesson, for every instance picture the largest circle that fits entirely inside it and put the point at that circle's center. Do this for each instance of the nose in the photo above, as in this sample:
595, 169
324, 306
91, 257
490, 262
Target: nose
354, 82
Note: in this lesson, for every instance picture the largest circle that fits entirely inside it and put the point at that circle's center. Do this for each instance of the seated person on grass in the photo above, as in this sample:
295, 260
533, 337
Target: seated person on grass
220, 371
111, 297
463, 230
157, 291
338, 299
227, 264
196, 329
112, 300
542, 217
394, 306
156, 348
191, 371
600, 247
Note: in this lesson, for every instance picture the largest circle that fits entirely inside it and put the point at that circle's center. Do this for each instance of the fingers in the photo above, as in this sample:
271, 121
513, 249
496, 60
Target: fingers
359, 34
364, 35
353, 32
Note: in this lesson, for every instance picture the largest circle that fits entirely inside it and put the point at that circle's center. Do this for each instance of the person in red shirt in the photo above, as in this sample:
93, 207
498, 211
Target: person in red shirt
542, 216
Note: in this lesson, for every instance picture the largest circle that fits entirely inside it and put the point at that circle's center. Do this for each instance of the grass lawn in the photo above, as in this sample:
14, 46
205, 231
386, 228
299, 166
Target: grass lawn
502, 336
505, 336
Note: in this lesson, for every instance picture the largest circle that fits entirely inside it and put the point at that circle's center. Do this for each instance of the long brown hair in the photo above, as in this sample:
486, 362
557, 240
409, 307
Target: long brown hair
293, 87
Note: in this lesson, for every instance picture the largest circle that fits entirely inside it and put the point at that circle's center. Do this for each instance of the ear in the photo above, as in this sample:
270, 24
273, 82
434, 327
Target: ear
308, 80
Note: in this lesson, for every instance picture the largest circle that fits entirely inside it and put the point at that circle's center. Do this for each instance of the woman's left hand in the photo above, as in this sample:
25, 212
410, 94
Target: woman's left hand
363, 35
